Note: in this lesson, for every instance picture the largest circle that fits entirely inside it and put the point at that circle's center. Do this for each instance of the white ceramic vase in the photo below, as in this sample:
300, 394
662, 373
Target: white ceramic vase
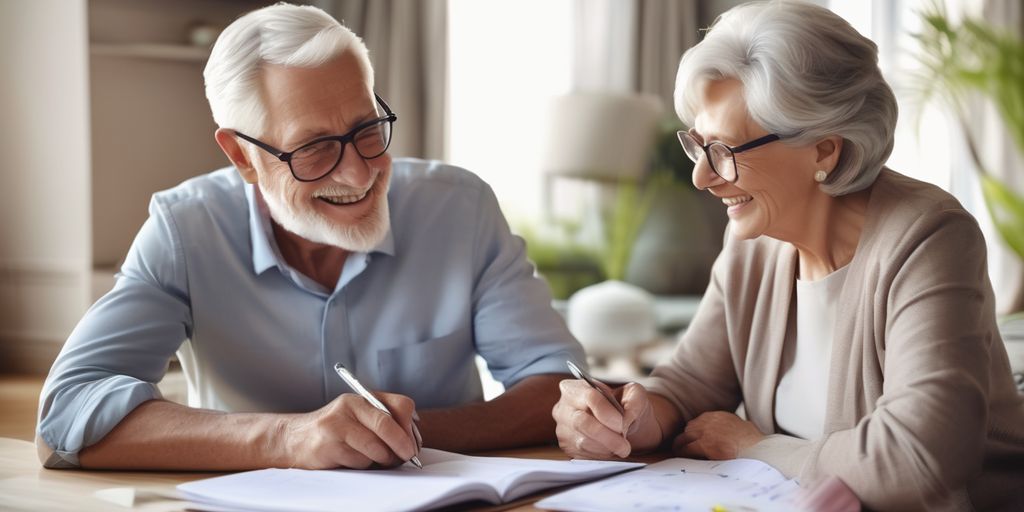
612, 318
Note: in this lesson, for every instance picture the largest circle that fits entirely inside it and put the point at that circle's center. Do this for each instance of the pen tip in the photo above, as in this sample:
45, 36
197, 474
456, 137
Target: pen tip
416, 462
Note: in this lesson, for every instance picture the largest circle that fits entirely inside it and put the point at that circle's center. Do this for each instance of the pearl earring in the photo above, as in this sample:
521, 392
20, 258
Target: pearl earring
820, 176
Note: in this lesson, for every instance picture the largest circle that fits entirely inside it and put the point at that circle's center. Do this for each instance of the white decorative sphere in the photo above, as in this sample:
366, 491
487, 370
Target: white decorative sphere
611, 318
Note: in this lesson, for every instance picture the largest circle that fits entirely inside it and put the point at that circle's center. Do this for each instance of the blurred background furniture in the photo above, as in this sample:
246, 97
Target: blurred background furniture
607, 181
1011, 328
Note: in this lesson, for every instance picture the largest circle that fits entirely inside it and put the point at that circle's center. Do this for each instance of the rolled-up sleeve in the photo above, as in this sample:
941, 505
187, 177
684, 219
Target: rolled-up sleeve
120, 349
516, 330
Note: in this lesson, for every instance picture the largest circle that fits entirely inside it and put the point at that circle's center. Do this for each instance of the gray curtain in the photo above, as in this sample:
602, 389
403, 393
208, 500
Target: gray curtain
665, 29
603, 41
632, 46
408, 43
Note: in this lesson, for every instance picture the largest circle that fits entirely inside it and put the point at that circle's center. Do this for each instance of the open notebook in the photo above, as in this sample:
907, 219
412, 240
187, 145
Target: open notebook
684, 485
446, 478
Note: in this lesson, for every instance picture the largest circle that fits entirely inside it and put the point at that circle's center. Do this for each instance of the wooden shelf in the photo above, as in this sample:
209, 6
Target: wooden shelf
157, 51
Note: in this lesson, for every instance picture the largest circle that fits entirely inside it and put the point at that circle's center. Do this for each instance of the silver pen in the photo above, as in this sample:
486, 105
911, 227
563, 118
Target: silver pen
582, 375
365, 393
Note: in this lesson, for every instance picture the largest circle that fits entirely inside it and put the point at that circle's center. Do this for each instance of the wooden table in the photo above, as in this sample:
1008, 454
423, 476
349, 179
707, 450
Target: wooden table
26, 485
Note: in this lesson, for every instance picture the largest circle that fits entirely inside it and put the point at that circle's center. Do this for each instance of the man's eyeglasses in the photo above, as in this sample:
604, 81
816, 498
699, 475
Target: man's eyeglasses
722, 158
318, 157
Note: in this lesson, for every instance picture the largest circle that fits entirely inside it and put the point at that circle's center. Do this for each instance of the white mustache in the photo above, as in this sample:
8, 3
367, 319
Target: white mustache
336, 190
340, 192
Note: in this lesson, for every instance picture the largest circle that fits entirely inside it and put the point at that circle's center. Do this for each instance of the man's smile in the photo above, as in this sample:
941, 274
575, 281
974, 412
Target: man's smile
336, 197
343, 200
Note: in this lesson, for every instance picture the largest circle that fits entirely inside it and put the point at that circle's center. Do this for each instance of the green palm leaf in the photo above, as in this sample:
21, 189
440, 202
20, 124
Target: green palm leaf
1007, 211
970, 60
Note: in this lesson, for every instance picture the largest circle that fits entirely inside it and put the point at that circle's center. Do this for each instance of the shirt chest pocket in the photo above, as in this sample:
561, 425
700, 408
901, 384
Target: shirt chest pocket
439, 372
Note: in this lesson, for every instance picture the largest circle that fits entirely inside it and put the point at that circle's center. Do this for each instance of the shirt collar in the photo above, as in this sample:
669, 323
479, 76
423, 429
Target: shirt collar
265, 253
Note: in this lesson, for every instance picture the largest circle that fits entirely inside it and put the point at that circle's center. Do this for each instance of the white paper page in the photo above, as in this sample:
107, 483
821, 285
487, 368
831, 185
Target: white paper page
298, 489
446, 478
512, 477
684, 485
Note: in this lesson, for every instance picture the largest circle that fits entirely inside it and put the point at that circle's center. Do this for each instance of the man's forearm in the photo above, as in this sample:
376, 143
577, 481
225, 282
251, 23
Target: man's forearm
164, 435
521, 416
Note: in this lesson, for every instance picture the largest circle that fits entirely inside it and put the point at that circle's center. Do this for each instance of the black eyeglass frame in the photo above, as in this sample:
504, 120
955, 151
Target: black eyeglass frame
286, 156
761, 141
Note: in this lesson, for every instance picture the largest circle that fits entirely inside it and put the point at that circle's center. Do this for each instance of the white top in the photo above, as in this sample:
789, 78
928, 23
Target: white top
801, 396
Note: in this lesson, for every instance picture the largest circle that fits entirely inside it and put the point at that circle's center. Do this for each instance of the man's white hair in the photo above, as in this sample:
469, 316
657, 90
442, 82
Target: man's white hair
806, 74
282, 34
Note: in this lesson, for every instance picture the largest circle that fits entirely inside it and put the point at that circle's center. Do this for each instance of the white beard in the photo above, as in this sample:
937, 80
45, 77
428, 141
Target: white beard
361, 236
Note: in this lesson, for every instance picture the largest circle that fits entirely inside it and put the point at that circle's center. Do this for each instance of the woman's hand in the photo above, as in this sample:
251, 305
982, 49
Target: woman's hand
589, 427
716, 435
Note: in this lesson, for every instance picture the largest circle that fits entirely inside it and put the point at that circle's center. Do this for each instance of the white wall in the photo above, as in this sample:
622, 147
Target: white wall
45, 247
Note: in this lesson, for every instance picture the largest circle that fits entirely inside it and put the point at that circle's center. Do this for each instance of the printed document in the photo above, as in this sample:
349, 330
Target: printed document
683, 485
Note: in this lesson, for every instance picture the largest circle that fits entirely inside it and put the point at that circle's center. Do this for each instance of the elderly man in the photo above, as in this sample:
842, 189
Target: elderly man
315, 249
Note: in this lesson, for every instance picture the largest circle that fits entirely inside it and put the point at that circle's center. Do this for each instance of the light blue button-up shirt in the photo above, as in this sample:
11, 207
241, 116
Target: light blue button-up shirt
204, 278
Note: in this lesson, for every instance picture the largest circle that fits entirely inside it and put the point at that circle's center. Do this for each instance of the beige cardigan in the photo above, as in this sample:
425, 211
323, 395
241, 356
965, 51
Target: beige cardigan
922, 410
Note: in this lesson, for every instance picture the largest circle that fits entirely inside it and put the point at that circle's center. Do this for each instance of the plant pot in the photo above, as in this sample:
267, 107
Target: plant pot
678, 243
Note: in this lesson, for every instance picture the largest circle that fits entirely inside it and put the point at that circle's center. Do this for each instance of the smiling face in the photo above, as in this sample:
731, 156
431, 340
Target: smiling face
348, 207
775, 189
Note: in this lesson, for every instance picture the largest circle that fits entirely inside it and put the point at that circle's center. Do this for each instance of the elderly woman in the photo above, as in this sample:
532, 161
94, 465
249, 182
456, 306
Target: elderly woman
850, 311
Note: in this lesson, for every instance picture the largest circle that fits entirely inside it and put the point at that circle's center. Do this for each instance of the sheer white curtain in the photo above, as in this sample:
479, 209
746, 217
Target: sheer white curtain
603, 37
507, 59
631, 46
408, 47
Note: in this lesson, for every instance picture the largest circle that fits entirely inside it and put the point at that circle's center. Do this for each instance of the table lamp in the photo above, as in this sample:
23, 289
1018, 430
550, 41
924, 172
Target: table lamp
604, 139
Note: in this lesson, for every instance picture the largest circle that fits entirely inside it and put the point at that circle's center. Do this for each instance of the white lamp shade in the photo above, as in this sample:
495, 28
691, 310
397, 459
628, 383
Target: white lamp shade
603, 136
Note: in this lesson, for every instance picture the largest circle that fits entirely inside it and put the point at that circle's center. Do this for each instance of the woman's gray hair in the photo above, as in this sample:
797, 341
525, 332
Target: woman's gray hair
806, 74
282, 34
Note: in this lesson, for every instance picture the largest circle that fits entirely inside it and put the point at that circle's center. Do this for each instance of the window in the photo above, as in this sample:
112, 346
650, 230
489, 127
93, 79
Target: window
928, 143
924, 147
506, 60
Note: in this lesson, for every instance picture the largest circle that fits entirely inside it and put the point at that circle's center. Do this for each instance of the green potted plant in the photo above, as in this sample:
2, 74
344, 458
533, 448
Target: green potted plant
565, 264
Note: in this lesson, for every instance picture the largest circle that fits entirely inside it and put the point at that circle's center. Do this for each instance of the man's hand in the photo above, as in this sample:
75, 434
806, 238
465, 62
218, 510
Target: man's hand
588, 427
716, 435
351, 433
